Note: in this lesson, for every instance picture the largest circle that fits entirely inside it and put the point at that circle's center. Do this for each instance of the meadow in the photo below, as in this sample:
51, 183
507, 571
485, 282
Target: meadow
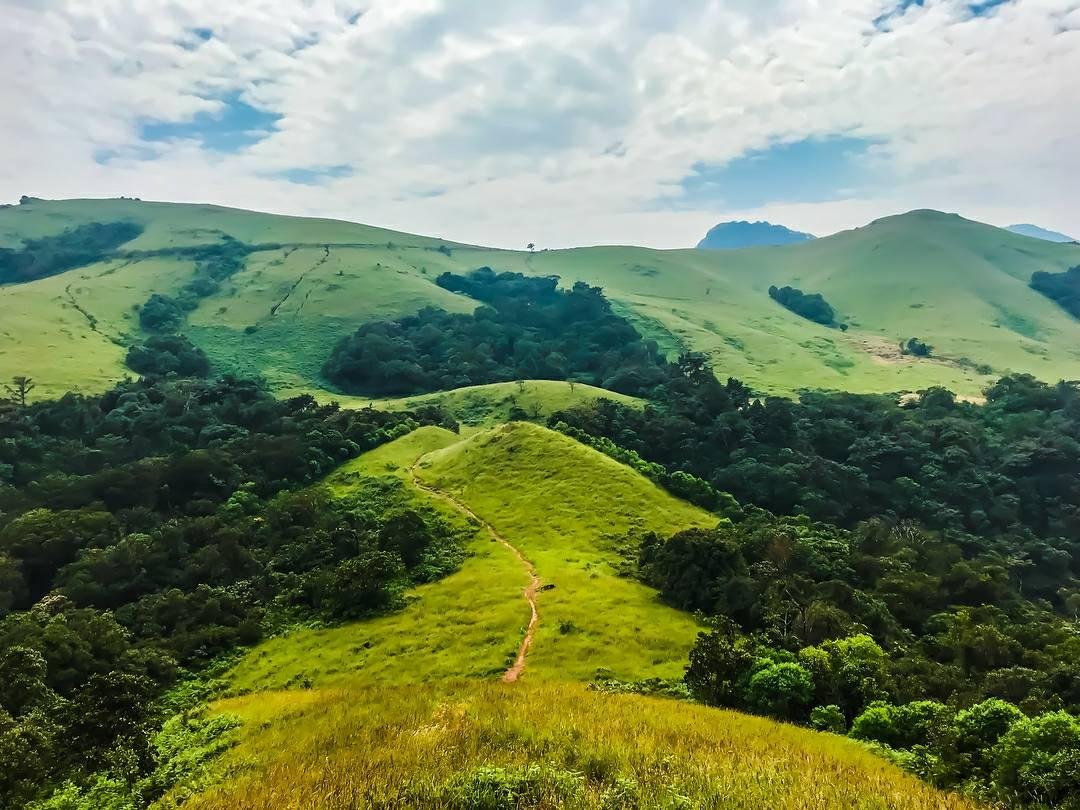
959, 285
407, 710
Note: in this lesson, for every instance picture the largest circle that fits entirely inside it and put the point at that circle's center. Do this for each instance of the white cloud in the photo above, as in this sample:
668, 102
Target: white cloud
558, 122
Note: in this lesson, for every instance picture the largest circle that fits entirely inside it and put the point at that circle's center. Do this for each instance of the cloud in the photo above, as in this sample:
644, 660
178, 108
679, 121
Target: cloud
555, 121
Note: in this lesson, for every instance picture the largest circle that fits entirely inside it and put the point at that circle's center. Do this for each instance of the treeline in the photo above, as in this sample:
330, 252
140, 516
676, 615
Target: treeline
1062, 288
941, 648
811, 306
214, 263
528, 328
1009, 467
75, 247
149, 530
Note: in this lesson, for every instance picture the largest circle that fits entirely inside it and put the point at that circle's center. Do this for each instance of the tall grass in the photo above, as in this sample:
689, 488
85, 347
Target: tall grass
483, 744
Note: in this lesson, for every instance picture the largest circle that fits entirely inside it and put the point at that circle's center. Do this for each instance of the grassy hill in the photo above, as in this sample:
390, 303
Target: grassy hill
406, 710
958, 285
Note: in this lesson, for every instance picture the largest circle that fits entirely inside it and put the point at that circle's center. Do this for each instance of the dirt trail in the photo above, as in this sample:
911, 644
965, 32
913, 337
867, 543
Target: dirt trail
515, 670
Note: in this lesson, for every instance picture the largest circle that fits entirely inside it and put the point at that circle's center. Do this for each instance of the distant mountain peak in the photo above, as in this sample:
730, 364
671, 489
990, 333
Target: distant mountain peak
1035, 232
742, 234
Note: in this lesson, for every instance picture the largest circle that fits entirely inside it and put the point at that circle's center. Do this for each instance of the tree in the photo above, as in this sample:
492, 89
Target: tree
720, 662
1038, 761
531, 246
781, 690
19, 389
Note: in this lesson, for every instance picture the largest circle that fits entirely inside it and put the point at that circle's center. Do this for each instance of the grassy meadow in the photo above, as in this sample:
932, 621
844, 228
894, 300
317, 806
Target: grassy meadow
407, 710
959, 285
470, 744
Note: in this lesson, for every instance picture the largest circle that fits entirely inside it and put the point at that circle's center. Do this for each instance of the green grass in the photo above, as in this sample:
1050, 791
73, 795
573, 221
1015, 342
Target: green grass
566, 507
487, 405
957, 284
407, 710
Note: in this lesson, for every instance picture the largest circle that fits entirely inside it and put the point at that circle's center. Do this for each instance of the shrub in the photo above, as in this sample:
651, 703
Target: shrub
828, 718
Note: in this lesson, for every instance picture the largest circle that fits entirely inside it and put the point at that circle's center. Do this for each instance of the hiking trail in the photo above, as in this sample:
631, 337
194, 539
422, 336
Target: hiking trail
515, 669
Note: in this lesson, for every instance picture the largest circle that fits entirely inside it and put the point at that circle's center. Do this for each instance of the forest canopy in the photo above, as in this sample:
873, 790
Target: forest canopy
527, 328
75, 247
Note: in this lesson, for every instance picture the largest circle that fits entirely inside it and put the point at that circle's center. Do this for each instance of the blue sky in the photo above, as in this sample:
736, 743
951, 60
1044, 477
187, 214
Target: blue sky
551, 121
804, 171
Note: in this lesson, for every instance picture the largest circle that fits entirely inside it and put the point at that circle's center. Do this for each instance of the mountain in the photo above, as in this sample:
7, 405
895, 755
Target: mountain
1035, 232
303, 284
733, 235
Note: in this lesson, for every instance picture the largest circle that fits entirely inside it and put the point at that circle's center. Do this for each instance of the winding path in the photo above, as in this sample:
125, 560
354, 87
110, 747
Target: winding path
515, 670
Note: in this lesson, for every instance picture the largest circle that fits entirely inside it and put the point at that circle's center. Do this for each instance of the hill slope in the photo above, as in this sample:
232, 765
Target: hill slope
406, 710
959, 285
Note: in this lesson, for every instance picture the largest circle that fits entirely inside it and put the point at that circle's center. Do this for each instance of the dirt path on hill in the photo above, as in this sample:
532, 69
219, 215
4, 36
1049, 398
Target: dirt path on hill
515, 670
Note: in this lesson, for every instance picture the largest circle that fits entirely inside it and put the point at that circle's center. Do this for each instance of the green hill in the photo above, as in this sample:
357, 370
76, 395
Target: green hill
406, 710
958, 285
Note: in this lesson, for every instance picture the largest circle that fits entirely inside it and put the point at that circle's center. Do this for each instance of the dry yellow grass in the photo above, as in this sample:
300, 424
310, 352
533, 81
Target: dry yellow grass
411, 746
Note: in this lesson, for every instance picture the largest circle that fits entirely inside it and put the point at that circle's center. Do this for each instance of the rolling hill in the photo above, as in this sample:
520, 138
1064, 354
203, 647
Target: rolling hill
959, 285
406, 710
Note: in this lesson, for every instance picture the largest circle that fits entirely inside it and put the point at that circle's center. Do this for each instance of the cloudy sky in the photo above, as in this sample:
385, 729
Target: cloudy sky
555, 121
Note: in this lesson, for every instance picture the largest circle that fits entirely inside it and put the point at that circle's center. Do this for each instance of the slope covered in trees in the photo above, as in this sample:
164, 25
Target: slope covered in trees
529, 329
147, 531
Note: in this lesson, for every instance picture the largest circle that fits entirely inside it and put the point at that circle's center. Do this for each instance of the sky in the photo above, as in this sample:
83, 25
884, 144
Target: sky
558, 122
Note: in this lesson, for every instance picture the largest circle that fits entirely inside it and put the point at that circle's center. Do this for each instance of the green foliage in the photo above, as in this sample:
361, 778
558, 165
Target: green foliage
1062, 288
828, 718
151, 529
811, 306
213, 265
495, 788
782, 690
528, 329
843, 458
1037, 761
916, 348
903, 726
49, 255
161, 355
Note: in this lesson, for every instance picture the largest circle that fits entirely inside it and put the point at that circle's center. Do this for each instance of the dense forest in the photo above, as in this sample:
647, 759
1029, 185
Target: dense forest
148, 531
811, 306
1063, 288
941, 646
75, 247
528, 328
908, 574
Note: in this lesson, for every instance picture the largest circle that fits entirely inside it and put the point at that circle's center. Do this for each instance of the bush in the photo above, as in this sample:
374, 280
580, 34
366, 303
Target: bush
901, 726
1038, 761
781, 690
916, 348
828, 718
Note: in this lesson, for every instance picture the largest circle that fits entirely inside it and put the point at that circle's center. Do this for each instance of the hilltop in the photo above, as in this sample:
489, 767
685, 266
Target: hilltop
958, 285
406, 710
730, 235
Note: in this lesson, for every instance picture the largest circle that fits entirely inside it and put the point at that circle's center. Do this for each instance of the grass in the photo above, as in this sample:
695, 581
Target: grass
488, 405
566, 507
406, 710
959, 285
472, 745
